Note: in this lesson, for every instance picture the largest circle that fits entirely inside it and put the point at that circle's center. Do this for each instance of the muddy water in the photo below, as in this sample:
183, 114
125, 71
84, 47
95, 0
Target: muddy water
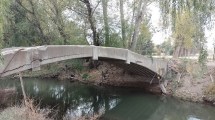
74, 100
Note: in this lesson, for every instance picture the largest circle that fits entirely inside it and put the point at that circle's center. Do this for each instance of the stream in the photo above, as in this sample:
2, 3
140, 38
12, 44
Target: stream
73, 100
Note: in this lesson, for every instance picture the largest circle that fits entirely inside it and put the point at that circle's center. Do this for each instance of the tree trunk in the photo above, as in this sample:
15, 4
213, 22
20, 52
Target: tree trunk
105, 17
177, 52
132, 26
92, 22
138, 21
122, 19
214, 52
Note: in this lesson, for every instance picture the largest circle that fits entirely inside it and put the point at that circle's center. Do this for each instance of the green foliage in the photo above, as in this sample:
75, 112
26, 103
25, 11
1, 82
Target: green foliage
188, 19
201, 10
115, 40
144, 44
85, 76
76, 64
184, 30
166, 47
30, 23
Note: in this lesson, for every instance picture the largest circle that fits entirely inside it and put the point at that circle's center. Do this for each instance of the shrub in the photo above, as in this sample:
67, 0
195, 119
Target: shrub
85, 76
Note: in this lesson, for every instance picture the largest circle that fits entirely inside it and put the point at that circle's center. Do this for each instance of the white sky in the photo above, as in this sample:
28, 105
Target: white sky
160, 36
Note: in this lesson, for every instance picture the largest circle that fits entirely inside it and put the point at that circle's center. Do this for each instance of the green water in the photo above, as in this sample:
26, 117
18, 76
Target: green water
74, 99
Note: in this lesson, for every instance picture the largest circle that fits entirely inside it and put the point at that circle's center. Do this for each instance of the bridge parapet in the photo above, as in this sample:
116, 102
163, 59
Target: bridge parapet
24, 58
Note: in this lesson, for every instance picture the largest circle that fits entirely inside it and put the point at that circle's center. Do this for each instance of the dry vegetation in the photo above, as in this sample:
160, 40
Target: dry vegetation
24, 112
6, 96
209, 93
192, 83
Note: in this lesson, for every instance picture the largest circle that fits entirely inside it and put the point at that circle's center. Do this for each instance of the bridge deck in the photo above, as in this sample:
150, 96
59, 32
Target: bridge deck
24, 58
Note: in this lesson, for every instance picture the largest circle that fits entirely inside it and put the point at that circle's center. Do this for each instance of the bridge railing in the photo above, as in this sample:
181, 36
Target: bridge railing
20, 59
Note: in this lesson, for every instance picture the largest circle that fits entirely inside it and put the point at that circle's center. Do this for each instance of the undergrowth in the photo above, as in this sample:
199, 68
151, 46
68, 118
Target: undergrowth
27, 111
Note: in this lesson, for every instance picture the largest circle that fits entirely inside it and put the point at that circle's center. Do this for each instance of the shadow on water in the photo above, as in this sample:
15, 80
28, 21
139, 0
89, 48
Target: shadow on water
74, 100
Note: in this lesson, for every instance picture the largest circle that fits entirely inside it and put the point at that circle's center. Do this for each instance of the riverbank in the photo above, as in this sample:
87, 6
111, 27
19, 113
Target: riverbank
193, 84
104, 73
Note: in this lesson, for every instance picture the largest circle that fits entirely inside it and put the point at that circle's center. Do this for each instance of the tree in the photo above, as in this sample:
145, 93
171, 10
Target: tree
167, 47
137, 23
141, 10
91, 20
33, 11
122, 19
4, 5
200, 10
183, 34
105, 18
19, 30
57, 7
144, 43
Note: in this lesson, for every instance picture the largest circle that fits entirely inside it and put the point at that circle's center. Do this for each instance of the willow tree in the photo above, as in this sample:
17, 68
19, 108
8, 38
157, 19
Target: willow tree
18, 30
36, 17
55, 11
201, 11
183, 34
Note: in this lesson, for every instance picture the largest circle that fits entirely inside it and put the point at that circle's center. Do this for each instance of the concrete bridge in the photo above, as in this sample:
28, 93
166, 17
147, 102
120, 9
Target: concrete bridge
19, 59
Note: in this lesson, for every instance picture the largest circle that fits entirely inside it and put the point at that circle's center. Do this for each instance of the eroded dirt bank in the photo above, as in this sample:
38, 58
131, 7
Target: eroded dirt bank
112, 75
192, 84
103, 73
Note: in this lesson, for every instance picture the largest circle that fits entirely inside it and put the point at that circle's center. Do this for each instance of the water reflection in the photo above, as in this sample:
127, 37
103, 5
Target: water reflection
73, 100
69, 99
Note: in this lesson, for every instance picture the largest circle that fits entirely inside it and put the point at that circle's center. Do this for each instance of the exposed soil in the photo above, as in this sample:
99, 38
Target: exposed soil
112, 75
192, 87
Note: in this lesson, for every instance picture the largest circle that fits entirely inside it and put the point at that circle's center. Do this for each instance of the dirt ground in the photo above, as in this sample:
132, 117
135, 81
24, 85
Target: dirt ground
112, 75
193, 88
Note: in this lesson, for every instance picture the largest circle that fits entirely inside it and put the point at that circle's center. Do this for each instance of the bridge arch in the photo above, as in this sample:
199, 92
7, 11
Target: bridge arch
16, 60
